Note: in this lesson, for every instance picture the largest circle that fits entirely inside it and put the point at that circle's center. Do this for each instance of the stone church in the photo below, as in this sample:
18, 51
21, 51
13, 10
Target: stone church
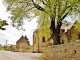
67, 34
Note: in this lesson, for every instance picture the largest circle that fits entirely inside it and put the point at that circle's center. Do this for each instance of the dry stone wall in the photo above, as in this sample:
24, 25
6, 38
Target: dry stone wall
70, 51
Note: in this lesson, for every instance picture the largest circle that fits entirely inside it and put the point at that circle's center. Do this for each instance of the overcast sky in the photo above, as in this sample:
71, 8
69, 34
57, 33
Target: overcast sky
12, 34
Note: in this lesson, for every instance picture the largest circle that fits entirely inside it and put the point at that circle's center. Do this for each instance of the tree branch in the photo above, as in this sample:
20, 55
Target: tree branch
64, 16
43, 2
38, 6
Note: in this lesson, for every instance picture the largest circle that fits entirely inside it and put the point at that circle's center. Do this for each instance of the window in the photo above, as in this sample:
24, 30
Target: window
62, 42
74, 51
43, 39
35, 40
79, 36
36, 31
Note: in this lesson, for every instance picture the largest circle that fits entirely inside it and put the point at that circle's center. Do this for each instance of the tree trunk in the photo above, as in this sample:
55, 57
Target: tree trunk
55, 32
56, 39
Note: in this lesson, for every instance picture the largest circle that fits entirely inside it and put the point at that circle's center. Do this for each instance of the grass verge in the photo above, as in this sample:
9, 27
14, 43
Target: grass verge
41, 58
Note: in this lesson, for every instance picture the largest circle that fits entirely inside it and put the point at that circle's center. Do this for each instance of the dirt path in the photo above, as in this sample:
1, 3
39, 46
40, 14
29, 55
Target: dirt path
6, 55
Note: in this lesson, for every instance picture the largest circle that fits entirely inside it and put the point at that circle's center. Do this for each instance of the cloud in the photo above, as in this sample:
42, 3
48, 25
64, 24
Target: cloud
12, 34
2, 41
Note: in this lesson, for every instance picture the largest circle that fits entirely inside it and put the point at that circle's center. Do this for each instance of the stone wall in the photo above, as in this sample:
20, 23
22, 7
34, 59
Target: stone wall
21, 44
28, 51
69, 51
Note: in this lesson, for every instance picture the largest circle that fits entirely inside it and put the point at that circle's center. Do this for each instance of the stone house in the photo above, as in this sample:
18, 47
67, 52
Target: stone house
21, 44
67, 34
39, 43
70, 34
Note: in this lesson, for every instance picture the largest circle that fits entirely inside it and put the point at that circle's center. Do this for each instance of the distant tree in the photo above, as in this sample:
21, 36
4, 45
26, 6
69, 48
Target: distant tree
27, 40
11, 47
4, 47
0, 44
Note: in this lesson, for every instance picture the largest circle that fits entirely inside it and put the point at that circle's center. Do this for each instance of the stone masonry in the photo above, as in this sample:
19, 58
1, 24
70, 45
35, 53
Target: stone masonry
70, 51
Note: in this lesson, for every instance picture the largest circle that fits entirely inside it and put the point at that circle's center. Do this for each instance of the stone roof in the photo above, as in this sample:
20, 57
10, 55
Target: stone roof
69, 27
22, 38
63, 26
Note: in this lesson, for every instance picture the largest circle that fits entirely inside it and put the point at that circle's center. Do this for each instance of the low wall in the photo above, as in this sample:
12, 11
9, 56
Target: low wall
28, 51
41, 49
69, 51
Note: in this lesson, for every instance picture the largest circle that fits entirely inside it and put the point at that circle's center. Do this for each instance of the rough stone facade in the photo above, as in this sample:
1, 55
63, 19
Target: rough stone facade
70, 36
70, 51
38, 42
21, 44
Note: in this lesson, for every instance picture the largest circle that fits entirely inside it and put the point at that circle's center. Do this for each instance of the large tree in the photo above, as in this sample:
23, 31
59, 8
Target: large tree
51, 12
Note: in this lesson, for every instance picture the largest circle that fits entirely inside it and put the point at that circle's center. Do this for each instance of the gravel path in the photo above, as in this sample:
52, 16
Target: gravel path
7, 55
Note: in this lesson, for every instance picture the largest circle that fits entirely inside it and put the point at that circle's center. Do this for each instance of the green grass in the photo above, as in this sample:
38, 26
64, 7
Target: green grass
41, 58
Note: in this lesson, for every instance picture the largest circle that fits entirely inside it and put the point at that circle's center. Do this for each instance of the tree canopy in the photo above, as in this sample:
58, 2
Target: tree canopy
50, 13
22, 9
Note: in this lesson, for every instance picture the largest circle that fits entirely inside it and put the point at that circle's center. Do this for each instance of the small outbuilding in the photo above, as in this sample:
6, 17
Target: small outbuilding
22, 44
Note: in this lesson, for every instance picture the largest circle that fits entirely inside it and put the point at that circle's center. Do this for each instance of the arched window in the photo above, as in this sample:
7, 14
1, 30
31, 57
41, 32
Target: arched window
43, 39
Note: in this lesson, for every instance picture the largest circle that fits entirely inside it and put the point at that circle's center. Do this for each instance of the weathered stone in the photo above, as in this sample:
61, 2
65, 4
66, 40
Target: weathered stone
70, 53
21, 44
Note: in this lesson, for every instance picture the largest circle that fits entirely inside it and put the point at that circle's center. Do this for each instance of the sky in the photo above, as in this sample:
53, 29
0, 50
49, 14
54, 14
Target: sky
11, 34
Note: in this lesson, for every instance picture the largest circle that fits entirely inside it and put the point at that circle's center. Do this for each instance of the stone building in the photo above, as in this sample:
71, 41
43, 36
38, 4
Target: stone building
21, 44
67, 34
70, 34
38, 42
